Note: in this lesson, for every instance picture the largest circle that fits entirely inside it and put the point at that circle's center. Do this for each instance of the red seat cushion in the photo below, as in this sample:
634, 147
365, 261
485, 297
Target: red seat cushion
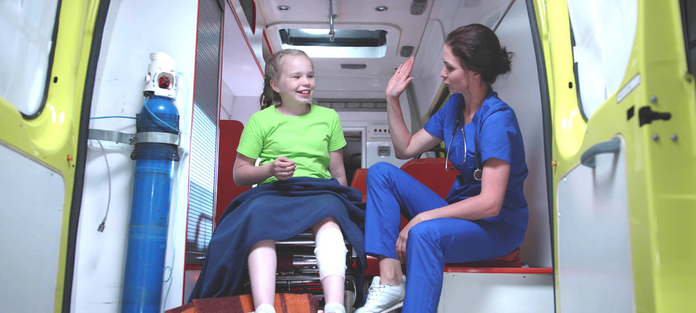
431, 172
510, 260
359, 178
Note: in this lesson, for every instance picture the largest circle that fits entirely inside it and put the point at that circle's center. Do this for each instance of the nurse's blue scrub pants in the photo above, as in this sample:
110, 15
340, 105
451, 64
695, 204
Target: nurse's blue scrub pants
431, 244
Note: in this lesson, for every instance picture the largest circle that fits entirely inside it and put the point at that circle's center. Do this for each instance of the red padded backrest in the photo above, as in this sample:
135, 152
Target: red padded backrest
227, 190
431, 172
359, 178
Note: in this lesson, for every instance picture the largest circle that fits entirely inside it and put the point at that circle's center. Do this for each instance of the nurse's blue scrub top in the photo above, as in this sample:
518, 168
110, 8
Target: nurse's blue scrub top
499, 137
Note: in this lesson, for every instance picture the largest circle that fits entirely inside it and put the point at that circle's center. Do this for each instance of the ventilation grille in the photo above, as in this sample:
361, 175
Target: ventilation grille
379, 105
418, 7
406, 51
353, 66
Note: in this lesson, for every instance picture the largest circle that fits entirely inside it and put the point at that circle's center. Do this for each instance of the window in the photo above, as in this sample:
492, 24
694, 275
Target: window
27, 31
342, 37
603, 33
347, 43
689, 22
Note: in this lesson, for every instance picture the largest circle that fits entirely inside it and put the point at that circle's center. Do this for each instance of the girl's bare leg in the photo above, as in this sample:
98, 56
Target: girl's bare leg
262, 272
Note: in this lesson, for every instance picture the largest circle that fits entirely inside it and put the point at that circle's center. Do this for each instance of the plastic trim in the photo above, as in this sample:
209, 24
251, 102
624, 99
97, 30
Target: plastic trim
81, 158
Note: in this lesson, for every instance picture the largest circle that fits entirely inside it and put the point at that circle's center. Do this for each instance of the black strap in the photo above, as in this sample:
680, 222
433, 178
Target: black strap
479, 164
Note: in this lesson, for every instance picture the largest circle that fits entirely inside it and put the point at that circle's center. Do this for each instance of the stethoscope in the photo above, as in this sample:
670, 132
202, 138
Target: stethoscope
478, 173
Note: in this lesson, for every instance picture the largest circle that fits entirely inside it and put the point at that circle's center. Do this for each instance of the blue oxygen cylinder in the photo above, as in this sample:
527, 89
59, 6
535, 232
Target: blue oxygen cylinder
149, 217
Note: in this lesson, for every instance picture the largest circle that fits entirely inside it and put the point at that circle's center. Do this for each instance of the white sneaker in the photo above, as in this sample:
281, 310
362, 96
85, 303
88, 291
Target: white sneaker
384, 298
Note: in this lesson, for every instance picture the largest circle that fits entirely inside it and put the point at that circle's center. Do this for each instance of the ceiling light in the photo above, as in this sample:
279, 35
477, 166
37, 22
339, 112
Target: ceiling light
381, 8
283, 7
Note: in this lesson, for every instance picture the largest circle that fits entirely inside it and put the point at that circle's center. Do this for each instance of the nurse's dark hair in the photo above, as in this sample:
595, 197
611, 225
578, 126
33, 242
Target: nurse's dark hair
269, 96
478, 49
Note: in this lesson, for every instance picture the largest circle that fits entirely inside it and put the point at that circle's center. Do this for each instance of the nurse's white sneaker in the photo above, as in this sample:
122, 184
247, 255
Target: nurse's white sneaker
384, 298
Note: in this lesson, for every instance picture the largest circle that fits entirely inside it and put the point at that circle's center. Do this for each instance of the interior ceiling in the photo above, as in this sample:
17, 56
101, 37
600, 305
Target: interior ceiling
370, 82
350, 12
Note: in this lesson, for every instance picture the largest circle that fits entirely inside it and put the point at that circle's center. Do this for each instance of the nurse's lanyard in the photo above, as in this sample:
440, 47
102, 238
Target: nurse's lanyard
478, 173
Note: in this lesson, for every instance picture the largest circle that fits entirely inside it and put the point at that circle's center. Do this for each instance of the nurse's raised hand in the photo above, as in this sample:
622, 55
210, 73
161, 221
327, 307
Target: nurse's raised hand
397, 84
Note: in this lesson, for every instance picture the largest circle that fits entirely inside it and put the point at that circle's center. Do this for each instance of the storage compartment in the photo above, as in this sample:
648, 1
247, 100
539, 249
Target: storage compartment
352, 152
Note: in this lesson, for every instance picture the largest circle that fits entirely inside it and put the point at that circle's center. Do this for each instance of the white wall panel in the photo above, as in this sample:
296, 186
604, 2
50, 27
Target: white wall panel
594, 254
31, 218
497, 293
520, 89
427, 67
131, 34
240, 71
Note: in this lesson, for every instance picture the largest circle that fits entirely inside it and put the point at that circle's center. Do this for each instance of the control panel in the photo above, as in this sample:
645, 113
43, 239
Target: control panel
378, 130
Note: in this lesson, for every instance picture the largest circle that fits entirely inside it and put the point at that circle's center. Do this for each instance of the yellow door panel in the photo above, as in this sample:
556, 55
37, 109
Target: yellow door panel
654, 110
51, 137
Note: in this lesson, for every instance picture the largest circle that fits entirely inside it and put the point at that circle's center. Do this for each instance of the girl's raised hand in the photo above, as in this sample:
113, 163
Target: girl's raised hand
282, 168
397, 84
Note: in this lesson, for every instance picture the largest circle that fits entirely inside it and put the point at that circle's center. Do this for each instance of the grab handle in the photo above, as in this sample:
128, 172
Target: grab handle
610, 146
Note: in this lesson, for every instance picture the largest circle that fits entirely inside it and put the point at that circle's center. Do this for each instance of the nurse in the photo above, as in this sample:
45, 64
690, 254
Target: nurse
485, 214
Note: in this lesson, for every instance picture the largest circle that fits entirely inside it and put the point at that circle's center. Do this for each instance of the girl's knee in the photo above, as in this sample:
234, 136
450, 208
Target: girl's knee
326, 223
266, 243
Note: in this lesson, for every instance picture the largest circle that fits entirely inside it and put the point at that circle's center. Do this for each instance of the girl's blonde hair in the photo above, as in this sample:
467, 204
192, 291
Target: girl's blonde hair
270, 96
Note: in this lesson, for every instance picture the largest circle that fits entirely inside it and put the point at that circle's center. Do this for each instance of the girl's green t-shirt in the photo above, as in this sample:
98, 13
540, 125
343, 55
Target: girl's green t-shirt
305, 139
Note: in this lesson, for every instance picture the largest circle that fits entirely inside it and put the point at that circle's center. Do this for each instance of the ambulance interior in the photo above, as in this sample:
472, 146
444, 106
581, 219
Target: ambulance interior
371, 39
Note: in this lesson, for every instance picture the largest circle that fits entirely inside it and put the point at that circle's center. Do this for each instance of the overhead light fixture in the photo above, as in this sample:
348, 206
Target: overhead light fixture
381, 8
283, 7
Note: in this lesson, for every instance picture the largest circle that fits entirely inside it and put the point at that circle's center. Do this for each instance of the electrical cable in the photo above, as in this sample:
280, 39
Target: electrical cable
185, 84
108, 203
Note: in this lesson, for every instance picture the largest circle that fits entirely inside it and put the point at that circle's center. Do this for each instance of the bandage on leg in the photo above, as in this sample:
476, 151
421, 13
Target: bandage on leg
331, 252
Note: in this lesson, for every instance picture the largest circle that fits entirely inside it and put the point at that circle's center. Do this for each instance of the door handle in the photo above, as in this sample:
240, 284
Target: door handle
609, 146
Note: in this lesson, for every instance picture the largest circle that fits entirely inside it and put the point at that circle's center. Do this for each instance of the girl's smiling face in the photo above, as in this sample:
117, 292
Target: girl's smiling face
295, 82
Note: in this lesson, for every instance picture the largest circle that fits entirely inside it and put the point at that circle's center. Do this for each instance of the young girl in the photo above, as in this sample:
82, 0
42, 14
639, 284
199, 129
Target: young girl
300, 147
